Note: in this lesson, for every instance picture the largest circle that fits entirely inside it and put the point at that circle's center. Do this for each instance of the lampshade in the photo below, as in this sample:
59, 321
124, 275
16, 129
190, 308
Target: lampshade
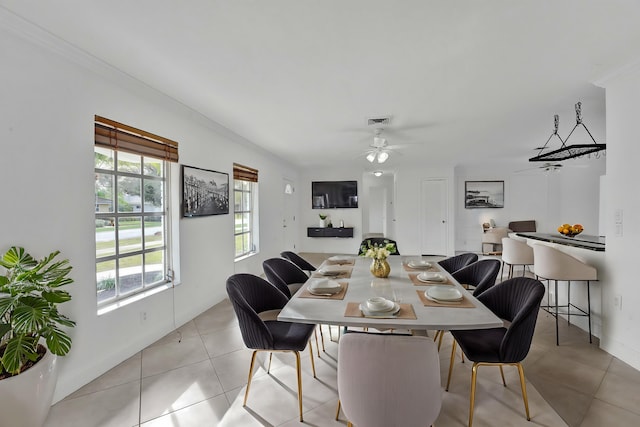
377, 173
383, 156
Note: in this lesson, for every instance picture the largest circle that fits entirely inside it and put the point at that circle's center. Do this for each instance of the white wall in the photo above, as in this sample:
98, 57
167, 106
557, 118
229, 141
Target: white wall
46, 169
620, 324
404, 194
352, 217
569, 195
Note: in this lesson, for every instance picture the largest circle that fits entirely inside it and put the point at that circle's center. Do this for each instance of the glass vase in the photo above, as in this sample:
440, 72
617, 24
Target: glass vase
380, 268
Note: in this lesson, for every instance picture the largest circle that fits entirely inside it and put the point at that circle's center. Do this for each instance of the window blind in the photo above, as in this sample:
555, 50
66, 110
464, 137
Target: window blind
245, 173
118, 136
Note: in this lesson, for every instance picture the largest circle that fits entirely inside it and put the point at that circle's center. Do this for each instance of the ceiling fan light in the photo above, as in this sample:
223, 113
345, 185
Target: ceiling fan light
371, 156
378, 141
383, 156
377, 173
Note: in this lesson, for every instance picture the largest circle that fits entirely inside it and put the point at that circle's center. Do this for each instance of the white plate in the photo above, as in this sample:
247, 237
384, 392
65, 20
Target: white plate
439, 301
426, 276
340, 258
332, 270
324, 286
379, 304
329, 273
444, 293
369, 313
419, 264
322, 293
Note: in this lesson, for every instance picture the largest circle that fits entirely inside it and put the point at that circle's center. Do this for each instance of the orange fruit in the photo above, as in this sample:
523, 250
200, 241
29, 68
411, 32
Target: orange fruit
560, 229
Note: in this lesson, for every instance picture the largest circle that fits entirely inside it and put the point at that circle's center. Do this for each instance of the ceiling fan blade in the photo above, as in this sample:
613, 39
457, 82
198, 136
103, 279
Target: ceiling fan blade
526, 170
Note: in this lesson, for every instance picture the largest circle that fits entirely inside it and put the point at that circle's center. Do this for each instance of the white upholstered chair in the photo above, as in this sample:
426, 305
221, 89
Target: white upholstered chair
551, 264
389, 380
516, 252
493, 237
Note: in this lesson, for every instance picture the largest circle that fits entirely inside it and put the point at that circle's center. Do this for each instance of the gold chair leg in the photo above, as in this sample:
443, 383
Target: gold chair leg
453, 356
504, 383
299, 369
246, 393
269, 365
313, 365
338, 411
322, 338
349, 424
315, 333
472, 398
524, 390
440, 340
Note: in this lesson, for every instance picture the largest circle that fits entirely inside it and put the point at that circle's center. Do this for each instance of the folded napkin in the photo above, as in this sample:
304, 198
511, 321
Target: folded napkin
406, 312
304, 293
432, 269
340, 274
418, 282
465, 303
330, 261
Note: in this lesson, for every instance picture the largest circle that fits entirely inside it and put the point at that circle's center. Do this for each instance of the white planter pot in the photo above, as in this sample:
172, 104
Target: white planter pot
25, 399
323, 223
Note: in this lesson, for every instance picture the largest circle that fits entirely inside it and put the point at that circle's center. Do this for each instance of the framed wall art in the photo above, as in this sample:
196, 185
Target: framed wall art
204, 192
483, 194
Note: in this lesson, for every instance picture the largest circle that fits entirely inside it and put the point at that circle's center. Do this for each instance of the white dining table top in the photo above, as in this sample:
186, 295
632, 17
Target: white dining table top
362, 285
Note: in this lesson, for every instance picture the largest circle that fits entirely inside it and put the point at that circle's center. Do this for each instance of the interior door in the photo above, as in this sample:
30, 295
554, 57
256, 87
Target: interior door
288, 216
434, 214
378, 210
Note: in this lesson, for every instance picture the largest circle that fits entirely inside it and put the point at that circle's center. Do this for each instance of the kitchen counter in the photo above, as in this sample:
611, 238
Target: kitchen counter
588, 249
592, 243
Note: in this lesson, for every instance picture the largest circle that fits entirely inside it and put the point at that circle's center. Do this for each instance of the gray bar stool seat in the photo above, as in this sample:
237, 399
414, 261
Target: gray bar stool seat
552, 264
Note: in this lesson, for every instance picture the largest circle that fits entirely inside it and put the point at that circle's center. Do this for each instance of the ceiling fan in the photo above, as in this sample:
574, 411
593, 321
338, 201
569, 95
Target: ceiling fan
547, 167
379, 148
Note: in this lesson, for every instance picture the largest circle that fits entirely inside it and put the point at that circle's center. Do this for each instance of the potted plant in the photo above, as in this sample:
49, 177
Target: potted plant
323, 220
30, 292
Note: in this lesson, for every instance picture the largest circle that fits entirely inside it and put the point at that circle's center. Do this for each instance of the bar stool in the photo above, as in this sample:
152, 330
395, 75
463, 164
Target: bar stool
515, 252
552, 264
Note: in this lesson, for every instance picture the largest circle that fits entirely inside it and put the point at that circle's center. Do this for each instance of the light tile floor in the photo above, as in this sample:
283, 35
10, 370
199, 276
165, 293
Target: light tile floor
196, 376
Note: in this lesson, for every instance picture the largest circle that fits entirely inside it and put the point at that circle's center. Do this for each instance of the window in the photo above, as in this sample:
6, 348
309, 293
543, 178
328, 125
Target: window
245, 186
131, 214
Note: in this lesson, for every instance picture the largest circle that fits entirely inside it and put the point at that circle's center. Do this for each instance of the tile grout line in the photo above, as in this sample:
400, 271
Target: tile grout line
140, 391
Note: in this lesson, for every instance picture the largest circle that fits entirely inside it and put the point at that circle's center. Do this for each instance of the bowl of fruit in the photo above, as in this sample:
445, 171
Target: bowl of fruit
569, 230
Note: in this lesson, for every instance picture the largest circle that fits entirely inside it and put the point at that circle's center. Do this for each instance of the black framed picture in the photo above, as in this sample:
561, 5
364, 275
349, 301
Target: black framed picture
204, 192
483, 194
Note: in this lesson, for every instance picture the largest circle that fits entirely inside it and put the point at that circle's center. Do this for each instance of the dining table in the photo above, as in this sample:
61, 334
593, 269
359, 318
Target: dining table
417, 311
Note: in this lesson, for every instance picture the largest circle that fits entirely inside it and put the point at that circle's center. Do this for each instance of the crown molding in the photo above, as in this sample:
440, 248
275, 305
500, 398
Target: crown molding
631, 68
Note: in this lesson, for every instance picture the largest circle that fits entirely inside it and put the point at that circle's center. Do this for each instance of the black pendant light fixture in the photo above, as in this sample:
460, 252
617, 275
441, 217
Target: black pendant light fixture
565, 151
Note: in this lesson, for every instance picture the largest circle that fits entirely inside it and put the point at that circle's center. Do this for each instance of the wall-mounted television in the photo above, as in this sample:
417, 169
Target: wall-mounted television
334, 194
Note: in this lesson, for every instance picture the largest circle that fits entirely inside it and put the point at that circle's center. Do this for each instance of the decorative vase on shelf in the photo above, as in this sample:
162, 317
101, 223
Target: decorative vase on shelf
323, 223
380, 268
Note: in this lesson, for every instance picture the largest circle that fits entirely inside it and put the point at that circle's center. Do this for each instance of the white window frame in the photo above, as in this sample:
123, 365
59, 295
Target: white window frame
168, 276
252, 230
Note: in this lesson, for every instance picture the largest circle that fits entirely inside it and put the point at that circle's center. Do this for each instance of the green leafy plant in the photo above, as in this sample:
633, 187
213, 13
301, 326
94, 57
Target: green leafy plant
29, 297
322, 216
377, 251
